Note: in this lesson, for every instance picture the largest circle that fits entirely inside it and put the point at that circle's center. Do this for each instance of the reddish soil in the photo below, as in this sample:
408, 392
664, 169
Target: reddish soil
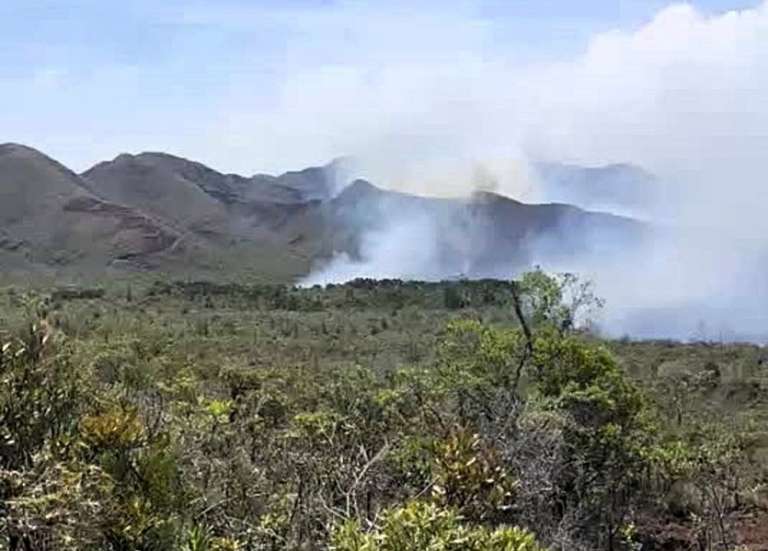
146, 236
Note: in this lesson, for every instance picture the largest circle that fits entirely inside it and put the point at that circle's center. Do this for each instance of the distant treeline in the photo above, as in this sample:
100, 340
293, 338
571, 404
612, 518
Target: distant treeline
362, 292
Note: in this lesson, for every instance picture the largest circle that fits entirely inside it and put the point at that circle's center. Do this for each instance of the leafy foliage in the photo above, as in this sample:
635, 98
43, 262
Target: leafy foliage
421, 526
375, 415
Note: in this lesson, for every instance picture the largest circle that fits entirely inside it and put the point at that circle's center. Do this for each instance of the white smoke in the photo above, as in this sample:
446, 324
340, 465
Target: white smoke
682, 96
388, 252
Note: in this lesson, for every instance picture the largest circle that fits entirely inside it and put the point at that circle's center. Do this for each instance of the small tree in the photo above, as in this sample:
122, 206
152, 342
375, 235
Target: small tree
562, 300
452, 298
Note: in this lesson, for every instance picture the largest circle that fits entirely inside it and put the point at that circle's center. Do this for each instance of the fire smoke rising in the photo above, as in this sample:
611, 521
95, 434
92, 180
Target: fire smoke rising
682, 97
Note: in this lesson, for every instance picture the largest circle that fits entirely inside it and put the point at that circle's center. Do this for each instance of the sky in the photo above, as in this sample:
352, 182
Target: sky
267, 86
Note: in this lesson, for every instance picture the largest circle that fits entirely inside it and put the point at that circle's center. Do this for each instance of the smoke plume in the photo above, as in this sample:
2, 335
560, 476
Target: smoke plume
682, 97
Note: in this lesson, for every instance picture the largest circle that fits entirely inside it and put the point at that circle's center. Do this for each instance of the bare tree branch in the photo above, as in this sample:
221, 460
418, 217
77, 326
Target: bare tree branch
528, 349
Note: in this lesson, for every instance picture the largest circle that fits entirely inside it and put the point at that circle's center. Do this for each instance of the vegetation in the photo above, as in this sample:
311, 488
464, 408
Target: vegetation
371, 416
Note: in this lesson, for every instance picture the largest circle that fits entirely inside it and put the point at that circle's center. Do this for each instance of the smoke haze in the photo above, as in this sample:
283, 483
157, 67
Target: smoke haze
683, 97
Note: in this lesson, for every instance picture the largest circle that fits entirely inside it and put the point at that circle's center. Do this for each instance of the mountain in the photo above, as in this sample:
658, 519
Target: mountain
159, 180
147, 217
193, 197
313, 183
484, 235
252, 224
155, 211
617, 188
48, 215
187, 195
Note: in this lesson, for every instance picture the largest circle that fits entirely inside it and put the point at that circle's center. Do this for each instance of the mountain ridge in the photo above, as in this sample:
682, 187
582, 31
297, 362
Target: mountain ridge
156, 211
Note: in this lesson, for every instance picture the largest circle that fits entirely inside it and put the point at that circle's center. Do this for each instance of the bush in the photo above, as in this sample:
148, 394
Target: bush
420, 526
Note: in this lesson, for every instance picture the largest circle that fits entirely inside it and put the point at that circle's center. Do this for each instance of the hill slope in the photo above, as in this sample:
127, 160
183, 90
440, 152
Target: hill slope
49, 216
160, 212
379, 233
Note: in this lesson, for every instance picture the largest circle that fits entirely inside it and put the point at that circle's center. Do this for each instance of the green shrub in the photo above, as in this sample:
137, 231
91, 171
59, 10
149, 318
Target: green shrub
420, 526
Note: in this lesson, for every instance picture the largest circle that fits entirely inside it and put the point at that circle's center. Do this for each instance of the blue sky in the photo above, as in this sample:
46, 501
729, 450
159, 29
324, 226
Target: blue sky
87, 79
175, 36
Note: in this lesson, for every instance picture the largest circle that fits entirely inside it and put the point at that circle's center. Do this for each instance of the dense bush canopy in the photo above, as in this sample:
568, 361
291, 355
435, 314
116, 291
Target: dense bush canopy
372, 416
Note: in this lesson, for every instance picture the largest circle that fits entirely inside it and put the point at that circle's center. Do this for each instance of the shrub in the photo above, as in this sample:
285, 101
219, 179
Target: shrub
420, 526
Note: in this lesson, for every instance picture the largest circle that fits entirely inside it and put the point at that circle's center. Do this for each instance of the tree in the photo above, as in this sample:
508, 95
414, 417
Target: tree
560, 300
452, 298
